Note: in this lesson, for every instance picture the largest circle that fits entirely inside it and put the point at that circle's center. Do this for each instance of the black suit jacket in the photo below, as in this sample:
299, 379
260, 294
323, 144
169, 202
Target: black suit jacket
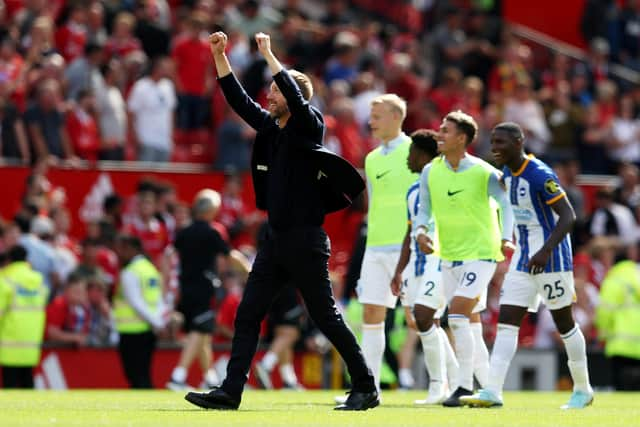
338, 182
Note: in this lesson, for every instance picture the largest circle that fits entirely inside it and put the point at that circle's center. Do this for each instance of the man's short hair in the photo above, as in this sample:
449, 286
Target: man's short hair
426, 141
206, 200
304, 83
393, 101
513, 129
465, 123
130, 241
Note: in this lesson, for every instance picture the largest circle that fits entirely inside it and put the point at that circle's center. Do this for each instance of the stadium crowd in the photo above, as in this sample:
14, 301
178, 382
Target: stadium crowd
133, 80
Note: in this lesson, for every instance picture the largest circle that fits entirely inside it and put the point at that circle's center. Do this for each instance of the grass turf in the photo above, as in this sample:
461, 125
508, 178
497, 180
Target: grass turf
310, 408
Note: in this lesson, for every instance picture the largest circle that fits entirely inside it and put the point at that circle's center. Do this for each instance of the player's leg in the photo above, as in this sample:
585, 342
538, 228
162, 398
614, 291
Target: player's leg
518, 293
480, 351
191, 349
375, 295
471, 279
434, 354
558, 293
210, 377
405, 360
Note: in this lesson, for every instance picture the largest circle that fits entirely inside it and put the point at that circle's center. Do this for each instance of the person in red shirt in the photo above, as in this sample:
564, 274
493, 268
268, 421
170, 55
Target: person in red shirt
148, 228
68, 318
82, 127
122, 41
71, 38
194, 70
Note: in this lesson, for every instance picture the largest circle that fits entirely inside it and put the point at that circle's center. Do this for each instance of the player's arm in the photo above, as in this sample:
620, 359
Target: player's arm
424, 213
566, 219
250, 111
497, 191
299, 107
405, 252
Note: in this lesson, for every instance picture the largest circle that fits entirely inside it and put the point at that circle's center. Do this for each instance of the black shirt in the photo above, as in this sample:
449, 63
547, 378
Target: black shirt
285, 179
198, 245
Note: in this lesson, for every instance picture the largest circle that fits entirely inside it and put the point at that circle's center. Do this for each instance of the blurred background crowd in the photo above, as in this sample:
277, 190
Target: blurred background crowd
133, 80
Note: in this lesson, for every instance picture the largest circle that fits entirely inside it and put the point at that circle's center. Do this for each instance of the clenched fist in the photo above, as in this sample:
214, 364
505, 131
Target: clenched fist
264, 43
218, 42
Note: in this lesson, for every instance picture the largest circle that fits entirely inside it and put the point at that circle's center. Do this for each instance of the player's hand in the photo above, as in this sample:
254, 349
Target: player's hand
396, 284
539, 261
217, 43
507, 248
264, 43
425, 244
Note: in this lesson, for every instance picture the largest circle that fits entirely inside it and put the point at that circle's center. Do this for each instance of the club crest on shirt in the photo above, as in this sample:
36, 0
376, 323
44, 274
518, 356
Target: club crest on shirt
551, 186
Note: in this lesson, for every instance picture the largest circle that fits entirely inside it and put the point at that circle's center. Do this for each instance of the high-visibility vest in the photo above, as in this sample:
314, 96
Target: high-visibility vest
389, 179
618, 314
23, 299
126, 318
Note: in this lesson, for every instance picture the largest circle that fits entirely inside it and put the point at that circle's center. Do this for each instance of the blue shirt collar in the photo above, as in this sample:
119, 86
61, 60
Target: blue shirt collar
386, 149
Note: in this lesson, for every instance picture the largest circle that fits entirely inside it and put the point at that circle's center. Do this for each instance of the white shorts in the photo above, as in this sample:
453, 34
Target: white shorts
525, 290
425, 289
468, 279
374, 286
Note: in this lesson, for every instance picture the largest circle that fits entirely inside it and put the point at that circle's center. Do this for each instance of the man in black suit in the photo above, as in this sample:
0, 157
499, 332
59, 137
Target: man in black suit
297, 182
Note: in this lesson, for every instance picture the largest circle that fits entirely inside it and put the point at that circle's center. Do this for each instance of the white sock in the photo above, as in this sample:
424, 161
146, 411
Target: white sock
179, 374
450, 360
373, 348
577, 354
405, 378
504, 348
269, 360
434, 358
288, 374
480, 355
211, 377
464, 349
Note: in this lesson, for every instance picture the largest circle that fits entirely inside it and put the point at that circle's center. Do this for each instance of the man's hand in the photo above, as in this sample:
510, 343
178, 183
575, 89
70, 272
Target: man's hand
264, 43
539, 261
425, 243
507, 248
217, 43
396, 284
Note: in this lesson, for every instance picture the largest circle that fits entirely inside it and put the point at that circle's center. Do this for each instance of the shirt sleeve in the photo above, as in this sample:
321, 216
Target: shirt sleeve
133, 294
424, 210
548, 187
497, 191
5, 297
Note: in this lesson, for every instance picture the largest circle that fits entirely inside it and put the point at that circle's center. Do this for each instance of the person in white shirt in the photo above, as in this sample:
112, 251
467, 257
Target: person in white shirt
152, 104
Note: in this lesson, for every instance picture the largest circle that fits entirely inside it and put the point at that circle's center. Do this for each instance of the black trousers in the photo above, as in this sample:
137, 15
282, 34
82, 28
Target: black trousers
17, 377
136, 351
298, 257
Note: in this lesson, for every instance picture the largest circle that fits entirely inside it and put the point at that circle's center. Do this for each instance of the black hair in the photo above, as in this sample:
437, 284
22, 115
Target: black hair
17, 253
129, 240
111, 201
513, 129
425, 141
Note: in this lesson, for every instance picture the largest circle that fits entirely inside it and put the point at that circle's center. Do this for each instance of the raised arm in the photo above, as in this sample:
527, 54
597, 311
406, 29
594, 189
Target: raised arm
250, 111
302, 112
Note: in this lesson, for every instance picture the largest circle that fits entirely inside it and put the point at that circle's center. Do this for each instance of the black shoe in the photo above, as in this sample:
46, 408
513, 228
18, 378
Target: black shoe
454, 400
360, 401
215, 399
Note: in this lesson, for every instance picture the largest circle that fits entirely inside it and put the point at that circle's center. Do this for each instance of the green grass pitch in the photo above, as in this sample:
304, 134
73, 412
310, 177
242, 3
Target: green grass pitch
309, 408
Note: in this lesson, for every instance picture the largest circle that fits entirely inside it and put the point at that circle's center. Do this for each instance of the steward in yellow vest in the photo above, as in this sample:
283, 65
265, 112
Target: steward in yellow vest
138, 311
23, 298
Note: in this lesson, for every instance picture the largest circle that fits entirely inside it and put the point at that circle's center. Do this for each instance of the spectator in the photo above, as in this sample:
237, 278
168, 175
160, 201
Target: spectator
68, 316
122, 41
628, 190
13, 139
45, 124
82, 127
23, 297
145, 226
194, 71
71, 38
251, 17
39, 253
152, 103
564, 119
112, 209
101, 332
112, 112
234, 139
614, 220
96, 31
154, 38
624, 145
84, 72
